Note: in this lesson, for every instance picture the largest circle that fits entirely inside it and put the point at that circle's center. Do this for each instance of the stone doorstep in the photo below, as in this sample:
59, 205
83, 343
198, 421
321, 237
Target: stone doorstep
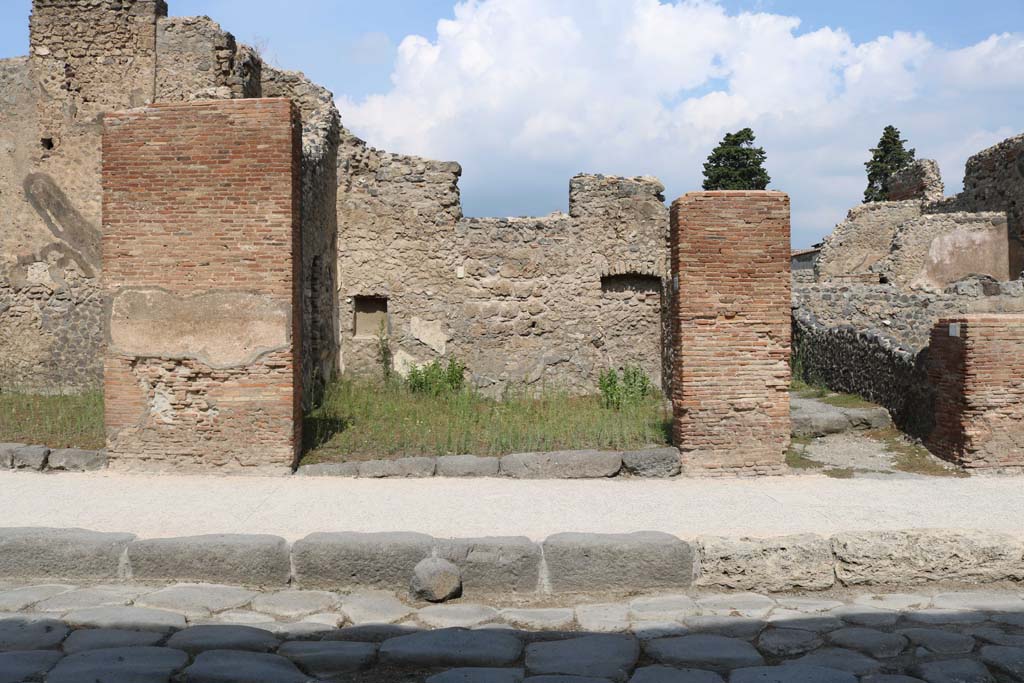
562, 564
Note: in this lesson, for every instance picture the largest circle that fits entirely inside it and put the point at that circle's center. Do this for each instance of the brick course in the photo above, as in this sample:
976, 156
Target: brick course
203, 199
731, 330
978, 376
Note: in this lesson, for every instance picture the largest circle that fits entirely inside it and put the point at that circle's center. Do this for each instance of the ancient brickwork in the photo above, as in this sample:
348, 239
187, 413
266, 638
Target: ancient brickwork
730, 388
202, 252
976, 364
920, 180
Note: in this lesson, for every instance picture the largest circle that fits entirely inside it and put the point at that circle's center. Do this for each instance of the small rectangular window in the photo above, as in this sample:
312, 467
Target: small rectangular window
371, 315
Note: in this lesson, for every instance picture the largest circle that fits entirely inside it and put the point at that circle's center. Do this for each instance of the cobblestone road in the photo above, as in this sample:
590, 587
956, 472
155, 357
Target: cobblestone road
205, 633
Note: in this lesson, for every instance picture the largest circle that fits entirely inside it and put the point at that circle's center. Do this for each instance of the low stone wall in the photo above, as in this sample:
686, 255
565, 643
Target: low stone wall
562, 564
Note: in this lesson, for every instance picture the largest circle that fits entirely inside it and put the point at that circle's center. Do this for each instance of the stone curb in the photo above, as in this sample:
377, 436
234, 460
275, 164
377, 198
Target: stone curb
20, 456
565, 563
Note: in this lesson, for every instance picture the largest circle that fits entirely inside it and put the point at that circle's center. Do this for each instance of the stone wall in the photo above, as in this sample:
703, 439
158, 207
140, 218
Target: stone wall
994, 181
731, 330
977, 369
863, 238
202, 367
920, 180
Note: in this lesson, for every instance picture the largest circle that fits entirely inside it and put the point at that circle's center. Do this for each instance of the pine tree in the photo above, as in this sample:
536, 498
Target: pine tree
889, 157
736, 164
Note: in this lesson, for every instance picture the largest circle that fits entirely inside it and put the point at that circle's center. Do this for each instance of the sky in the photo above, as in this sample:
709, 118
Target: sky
526, 93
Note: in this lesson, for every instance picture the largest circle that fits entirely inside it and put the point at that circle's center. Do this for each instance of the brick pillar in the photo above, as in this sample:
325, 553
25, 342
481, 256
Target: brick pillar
201, 258
976, 367
731, 331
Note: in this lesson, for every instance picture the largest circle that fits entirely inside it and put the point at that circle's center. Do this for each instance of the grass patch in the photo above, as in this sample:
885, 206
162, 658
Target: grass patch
912, 457
361, 419
797, 460
59, 421
846, 401
839, 472
805, 390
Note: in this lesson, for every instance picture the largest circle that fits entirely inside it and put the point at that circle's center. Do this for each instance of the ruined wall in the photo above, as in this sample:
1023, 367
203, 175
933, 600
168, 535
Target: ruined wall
198, 60
920, 180
994, 181
976, 364
731, 330
863, 239
202, 368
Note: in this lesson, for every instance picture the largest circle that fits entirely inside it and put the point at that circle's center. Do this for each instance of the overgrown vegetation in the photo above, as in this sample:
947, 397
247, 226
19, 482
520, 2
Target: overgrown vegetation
435, 379
890, 156
910, 456
365, 419
57, 421
796, 455
631, 388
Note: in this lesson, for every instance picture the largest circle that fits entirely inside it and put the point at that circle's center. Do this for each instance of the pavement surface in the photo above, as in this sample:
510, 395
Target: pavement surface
199, 633
156, 506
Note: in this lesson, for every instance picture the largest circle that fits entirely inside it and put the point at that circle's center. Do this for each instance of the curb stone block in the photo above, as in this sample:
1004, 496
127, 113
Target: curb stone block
329, 469
66, 554
643, 560
30, 457
243, 559
466, 466
801, 561
496, 564
401, 467
586, 464
329, 561
77, 460
652, 462
7, 453
927, 555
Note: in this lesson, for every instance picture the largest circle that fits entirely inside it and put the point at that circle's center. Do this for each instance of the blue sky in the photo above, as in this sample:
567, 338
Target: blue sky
526, 93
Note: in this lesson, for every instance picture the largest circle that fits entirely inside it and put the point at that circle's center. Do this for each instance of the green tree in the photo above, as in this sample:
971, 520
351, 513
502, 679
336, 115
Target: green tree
736, 164
889, 157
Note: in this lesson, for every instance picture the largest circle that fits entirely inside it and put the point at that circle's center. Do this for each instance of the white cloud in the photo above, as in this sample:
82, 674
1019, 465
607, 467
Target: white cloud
526, 93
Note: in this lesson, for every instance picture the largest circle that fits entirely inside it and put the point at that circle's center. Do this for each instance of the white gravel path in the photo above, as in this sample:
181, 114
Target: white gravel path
173, 505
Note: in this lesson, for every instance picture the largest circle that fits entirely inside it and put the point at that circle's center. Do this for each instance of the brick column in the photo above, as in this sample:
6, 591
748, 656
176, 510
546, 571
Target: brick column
731, 331
201, 258
976, 367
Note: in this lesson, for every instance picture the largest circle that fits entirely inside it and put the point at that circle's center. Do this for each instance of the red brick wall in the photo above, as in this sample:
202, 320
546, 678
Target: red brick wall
978, 376
731, 330
203, 199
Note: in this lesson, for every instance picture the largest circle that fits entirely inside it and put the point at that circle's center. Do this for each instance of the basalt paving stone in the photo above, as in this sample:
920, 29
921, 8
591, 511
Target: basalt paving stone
295, 630
98, 596
246, 617
27, 664
223, 666
787, 618
989, 601
944, 616
737, 604
890, 678
329, 658
131, 618
786, 642
808, 605
939, 641
120, 665
611, 656
996, 636
603, 618
374, 607
295, 603
648, 630
894, 601
954, 671
708, 651
791, 674
839, 658
540, 618
332, 619
31, 633
478, 675
452, 647
566, 679
870, 641
1008, 661
663, 608
732, 627
196, 639
665, 674
21, 598
864, 615
198, 599
456, 616
87, 639
371, 633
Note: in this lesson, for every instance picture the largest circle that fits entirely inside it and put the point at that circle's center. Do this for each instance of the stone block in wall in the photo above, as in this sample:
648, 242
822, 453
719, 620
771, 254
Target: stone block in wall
592, 563
332, 561
494, 565
731, 330
247, 559
202, 262
61, 554
799, 562
976, 367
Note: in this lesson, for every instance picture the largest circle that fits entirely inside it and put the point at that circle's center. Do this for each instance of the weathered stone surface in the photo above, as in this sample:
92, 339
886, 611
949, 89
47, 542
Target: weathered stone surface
478, 675
31, 633
245, 559
606, 656
791, 674
863, 615
649, 630
839, 658
399, 467
645, 560
893, 601
1008, 661
452, 647
329, 658
371, 633
940, 617
73, 554
733, 604
788, 618
552, 618
733, 627
7, 454
494, 564
985, 601
26, 665
775, 564
663, 608
665, 674
587, 464
336, 560
435, 580
603, 618
785, 642
87, 639
711, 651
923, 556
117, 665
954, 671
868, 640
652, 462
20, 598
76, 460
98, 596
567, 679
223, 666
464, 616
329, 469
30, 457
197, 600
808, 605
196, 639
939, 641
466, 466
130, 618
295, 603
374, 607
